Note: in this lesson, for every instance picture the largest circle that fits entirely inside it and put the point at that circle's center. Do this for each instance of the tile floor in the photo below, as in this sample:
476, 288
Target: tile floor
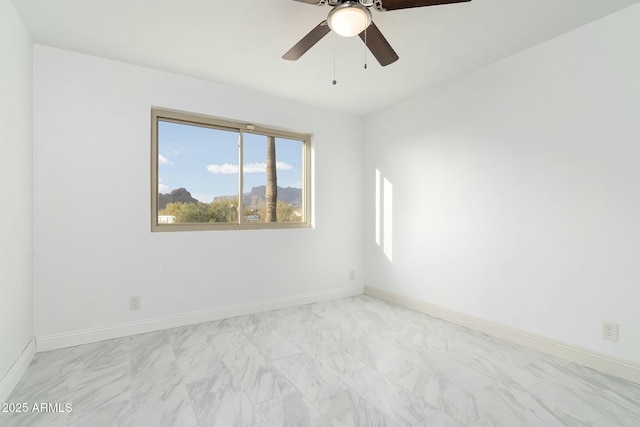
351, 362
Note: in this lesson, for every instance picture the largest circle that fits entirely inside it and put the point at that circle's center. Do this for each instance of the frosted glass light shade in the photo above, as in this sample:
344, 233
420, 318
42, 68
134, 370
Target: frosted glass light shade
349, 19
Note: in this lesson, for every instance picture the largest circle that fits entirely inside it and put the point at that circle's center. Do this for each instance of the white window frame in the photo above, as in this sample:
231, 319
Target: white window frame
193, 119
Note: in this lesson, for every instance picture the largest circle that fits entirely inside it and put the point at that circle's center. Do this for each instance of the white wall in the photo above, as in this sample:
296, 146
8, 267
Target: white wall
16, 193
516, 191
93, 243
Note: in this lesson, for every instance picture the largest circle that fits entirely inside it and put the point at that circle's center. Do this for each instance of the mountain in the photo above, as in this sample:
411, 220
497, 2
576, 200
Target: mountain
180, 195
256, 198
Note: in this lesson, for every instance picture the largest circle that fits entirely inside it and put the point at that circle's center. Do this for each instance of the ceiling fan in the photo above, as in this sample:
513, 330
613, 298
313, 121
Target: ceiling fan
349, 18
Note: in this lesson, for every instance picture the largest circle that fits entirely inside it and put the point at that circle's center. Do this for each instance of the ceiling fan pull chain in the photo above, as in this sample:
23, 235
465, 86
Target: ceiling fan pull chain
365, 48
334, 59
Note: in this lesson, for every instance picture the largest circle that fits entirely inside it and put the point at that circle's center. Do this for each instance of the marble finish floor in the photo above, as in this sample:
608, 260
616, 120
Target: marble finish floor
356, 361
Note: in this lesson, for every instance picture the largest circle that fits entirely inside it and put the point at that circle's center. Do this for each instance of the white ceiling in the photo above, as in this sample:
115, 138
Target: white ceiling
240, 42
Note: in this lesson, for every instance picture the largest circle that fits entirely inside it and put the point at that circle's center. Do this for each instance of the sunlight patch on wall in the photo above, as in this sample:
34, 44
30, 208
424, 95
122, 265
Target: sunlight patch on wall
388, 219
378, 207
384, 215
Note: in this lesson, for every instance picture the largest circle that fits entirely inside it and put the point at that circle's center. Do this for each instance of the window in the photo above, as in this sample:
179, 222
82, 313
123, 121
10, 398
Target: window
217, 174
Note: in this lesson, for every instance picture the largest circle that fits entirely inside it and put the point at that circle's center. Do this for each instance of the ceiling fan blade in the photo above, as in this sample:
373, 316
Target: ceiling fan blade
407, 4
378, 45
318, 2
307, 42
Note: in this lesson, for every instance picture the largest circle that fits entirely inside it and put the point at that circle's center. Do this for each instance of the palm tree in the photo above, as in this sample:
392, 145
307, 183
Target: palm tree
272, 181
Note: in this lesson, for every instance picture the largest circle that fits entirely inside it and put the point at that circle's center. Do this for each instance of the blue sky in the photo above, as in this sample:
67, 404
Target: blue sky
205, 161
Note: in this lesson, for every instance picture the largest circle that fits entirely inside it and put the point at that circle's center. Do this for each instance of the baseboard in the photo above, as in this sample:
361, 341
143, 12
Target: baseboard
86, 336
609, 365
17, 370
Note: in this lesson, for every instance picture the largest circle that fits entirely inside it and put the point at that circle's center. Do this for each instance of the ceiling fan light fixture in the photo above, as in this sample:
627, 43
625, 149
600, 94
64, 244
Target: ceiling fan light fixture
349, 19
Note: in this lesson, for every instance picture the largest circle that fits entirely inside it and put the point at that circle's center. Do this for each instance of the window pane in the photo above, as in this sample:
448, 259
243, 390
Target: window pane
196, 182
289, 178
197, 174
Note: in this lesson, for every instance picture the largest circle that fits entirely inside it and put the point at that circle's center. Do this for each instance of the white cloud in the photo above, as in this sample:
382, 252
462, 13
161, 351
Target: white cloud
225, 169
162, 188
162, 160
282, 166
256, 167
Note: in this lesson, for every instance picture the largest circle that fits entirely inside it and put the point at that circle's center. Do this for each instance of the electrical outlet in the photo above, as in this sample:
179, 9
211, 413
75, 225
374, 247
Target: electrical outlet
610, 331
352, 274
134, 302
